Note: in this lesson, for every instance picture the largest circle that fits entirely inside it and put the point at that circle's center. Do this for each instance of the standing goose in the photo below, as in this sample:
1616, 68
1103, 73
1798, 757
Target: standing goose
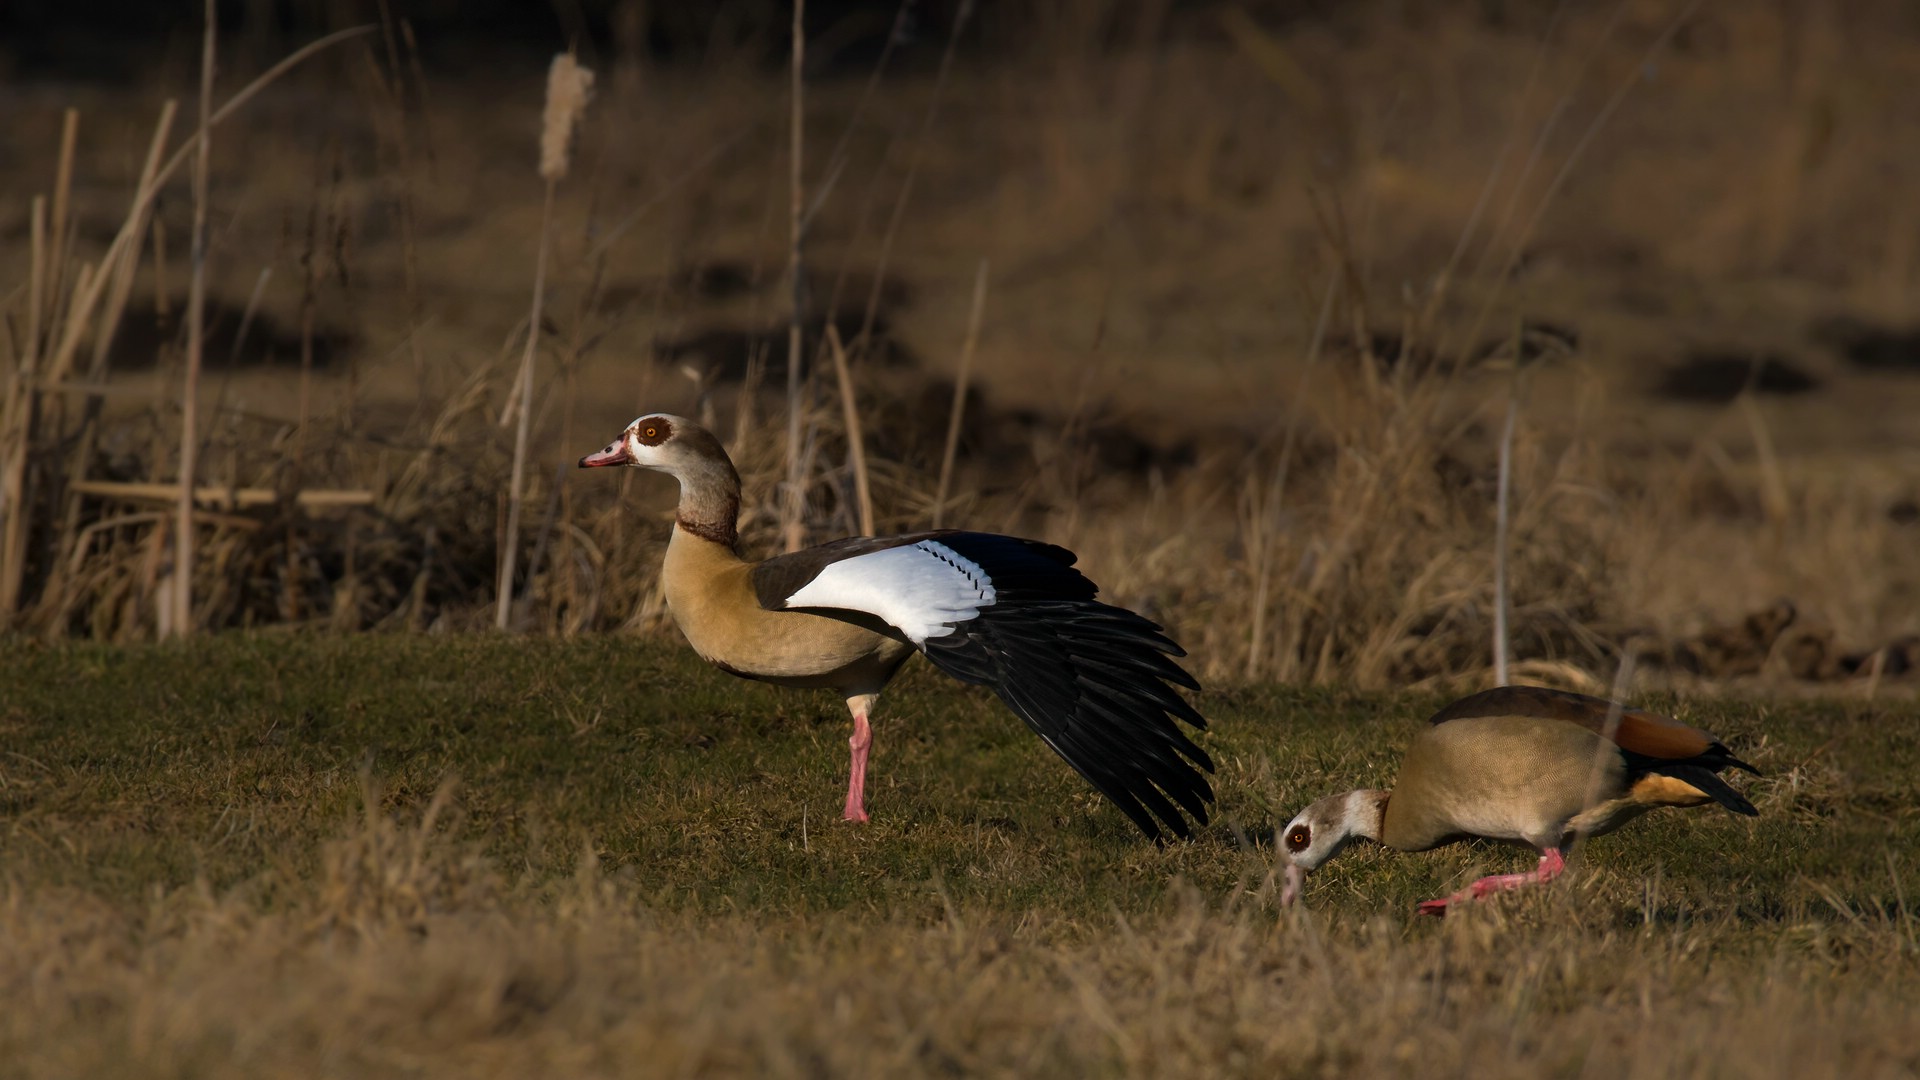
1090, 679
1521, 764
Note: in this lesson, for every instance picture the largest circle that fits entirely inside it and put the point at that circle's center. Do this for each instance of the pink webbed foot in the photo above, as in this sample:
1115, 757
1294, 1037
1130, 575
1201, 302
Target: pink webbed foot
1551, 864
857, 773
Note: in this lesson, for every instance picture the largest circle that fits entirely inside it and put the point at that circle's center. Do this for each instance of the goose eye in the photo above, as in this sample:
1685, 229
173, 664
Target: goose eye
1299, 838
651, 432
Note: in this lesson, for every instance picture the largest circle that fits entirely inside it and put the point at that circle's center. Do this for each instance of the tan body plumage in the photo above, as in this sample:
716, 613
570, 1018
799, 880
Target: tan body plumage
1523, 765
1519, 778
710, 595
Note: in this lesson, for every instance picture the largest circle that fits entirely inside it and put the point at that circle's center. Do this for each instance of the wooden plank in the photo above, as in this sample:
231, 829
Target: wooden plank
223, 497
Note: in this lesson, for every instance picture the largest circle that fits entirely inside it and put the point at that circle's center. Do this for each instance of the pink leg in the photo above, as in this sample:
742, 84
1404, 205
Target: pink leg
857, 776
1550, 866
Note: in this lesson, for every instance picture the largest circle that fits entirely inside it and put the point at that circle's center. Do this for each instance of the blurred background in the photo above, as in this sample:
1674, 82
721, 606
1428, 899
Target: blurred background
1237, 298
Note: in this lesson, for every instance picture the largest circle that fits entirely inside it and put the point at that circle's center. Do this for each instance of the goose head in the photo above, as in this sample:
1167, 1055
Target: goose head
655, 441
1319, 832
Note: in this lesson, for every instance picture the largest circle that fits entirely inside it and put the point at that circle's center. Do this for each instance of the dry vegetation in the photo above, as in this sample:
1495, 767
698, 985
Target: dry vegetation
256, 864
1241, 302
437, 983
1251, 318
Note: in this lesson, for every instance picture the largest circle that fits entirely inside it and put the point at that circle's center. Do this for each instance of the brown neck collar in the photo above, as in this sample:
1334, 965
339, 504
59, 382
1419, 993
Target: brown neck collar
710, 498
723, 531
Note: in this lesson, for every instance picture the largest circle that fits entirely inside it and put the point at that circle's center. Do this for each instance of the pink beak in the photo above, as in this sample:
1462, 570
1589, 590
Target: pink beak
616, 453
1296, 879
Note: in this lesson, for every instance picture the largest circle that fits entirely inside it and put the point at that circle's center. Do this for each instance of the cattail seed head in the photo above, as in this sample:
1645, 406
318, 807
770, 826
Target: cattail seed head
569, 87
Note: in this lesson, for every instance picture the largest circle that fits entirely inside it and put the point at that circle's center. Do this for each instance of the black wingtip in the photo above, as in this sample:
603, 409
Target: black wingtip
1719, 757
1710, 784
1095, 682
1734, 801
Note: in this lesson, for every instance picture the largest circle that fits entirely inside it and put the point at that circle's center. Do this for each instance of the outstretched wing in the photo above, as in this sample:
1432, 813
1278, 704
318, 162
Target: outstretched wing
1092, 680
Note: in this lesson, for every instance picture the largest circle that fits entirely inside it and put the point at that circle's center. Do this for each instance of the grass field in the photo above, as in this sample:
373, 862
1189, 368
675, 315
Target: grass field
280, 854
1344, 340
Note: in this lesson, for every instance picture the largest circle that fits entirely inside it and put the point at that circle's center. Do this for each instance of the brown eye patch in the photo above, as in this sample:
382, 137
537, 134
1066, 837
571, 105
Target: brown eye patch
1299, 838
654, 430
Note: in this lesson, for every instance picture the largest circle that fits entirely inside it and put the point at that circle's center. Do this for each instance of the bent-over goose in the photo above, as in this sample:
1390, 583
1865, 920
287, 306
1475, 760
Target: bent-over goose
1090, 679
1525, 765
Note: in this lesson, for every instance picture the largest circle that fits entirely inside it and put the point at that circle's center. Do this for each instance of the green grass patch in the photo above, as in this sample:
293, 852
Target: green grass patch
130, 769
285, 798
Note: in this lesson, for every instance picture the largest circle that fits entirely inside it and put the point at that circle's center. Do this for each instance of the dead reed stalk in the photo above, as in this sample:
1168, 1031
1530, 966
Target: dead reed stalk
106, 325
856, 444
181, 621
569, 86
81, 308
62, 200
1502, 499
60, 318
792, 506
16, 425
1773, 489
960, 380
1604, 749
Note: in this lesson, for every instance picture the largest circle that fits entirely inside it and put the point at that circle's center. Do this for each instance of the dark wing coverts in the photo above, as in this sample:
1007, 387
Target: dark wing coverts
1090, 679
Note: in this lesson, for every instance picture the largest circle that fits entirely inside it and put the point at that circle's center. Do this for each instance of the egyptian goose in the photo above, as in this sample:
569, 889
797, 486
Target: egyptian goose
1520, 764
1090, 679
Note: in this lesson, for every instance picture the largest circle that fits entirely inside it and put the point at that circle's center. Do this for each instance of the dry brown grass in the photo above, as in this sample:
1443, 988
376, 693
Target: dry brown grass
409, 954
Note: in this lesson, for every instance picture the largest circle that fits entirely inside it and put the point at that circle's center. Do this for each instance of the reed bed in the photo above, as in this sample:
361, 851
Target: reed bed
1399, 515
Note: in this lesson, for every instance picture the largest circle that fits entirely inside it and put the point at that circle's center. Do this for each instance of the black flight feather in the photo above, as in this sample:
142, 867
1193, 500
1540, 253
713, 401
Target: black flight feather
1092, 680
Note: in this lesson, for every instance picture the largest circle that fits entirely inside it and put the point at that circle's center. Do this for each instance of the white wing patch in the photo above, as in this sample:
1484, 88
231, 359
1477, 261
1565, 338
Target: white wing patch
923, 589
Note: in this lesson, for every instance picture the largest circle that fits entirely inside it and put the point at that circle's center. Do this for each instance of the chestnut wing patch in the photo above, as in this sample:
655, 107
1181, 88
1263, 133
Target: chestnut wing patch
1639, 731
